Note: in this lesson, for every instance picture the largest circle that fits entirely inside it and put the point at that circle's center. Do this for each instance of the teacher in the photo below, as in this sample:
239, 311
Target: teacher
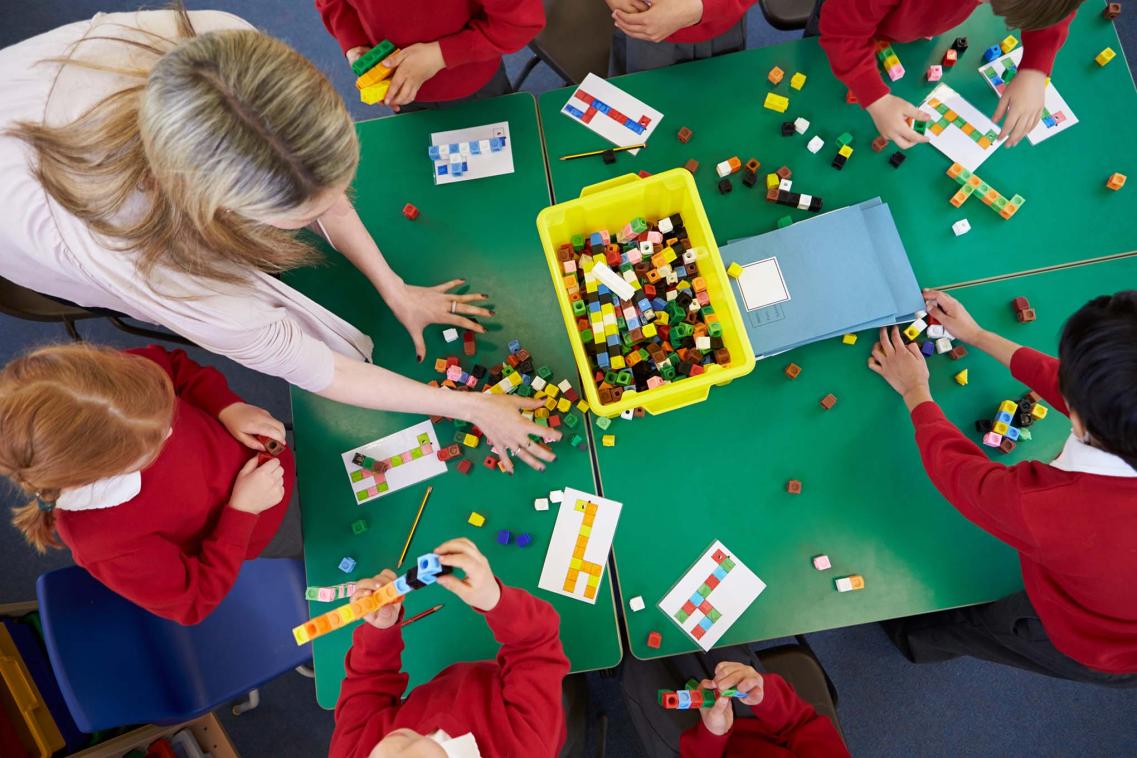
159, 163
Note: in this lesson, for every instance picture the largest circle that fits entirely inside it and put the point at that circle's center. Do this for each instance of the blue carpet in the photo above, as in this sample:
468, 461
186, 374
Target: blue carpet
888, 707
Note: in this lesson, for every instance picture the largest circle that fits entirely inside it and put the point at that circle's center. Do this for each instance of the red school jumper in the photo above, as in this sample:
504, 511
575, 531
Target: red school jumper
473, 34
849, 28
784, 726
511, 705
718, 16
175, 549
1075, 532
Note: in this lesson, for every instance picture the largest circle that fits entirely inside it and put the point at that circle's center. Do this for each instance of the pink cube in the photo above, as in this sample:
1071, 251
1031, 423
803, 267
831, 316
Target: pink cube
991, 439
326, 594
655, 381
454, 373
935, 73
821, 562
896, 72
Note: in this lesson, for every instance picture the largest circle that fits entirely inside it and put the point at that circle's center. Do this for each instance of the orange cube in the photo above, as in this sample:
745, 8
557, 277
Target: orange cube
1116, 181
776, 75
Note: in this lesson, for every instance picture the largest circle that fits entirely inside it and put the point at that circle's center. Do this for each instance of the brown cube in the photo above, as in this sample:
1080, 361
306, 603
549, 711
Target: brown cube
957, 352
1020, 304
784, 172
1007, 445
753, 165
828, 401
685, 135
879, 143
722, 356
793, 370
691, 165
793, 486
1025, 316
772, 195
1112, 11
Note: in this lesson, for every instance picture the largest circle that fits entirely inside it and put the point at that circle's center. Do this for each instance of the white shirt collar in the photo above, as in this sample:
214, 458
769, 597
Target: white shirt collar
457, 747
105, 493
1087, 459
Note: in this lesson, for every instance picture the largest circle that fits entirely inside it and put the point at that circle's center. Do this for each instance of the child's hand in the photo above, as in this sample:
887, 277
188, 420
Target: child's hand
737, 676
660, 21
628, 6
413, 65
386, 616
902, 366
479, 589
258, 488
719, 717
499, 416
246, 421
356, 53
891, 114
950, 312
1022, 103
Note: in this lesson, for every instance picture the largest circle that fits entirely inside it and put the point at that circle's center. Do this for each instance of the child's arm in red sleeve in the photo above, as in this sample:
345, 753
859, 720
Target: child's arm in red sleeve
1041, 46
718, 16
987, 494
341, 19
533, 667
848, 31
787, 720
698, 742
169, 583
198, 385
1039, 372
372, 689
503, 26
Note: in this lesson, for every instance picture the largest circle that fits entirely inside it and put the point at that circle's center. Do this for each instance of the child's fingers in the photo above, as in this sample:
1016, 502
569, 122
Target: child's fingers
914, 350
459, 587
897, 340
459, 560
457, 545
876, 366
249, 467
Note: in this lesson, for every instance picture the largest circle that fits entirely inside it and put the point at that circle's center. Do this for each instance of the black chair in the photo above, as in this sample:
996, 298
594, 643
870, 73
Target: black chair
786, 15
30, 305
798, 665
576, 41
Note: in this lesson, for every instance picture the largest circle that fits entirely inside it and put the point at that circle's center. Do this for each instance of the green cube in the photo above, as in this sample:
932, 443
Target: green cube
357, 476
359, 526
416, 453
361, 496
545, 373
784, 221
844, 139
383, 487
571, 420
603, 422
714, 615
704, 590
312, 593
579, 308
396, 460
368, 60
727, 564
681, 615
424, 439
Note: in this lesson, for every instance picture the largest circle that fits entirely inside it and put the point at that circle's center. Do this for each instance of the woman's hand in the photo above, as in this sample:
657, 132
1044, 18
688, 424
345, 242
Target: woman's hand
386, 616
902, 366
246, 421
1022, 103
479, 589
413, 65
499, 417
890, 114
418, 307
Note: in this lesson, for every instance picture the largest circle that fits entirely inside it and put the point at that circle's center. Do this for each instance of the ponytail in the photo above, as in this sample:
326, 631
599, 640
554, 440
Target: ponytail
37, 524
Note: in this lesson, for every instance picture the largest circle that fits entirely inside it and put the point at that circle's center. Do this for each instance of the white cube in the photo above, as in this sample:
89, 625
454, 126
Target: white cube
821, 562
723, 169
844, 584
450, 335
943, 345
935, 331
665, 225
541, 504
556, 496
646, 248
815, 144
800, 125
921, 314
803, 202
703, 343
628, 414
785, 185
919, 325
961, 227
537, 383
636, 603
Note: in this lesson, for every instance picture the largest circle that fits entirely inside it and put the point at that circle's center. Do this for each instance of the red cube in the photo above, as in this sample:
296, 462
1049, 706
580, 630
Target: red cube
828, 401
490, 462
654, 640
793, 486
1020, 304
410, 211
1026, 316
465, 466
950, 57
718, 556
879, 144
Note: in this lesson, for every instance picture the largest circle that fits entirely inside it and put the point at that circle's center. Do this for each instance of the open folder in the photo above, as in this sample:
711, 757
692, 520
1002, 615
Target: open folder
840, 272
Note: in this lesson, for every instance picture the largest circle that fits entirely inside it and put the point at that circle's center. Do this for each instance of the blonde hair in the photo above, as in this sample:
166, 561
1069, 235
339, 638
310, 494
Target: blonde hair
71, 415
223, 129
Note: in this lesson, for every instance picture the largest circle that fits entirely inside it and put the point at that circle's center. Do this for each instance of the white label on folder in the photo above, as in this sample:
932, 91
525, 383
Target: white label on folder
762, 284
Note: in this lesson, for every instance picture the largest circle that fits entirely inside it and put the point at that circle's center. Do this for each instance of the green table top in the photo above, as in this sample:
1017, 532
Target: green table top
1062, 179
484, 231
866, 501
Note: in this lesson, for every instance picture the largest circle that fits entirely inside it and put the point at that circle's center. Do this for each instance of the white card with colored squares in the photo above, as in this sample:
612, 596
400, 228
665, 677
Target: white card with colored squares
965, 134
712, 595
578, 550
393, 462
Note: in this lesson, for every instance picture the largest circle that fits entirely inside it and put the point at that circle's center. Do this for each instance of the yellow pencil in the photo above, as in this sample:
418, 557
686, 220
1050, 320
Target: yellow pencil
403, 555
599, 152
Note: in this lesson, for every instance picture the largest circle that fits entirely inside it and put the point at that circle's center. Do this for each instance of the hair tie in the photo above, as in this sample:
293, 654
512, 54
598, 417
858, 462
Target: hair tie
46, 506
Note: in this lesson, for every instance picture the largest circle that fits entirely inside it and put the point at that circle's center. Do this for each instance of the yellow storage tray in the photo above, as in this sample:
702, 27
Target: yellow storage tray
610, 205
21, 697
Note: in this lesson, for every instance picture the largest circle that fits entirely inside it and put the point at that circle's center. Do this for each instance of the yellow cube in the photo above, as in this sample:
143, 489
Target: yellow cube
797, 81
649, 330
776, 102
565, 405
476, 519
552, 390
1039, 411
734, 270
772, 181
376, 74
300, 634
1008, 44
1008, 406
1105, 56
583, 406
846, 150
608, 440
1000, 427
961, 378
470, 441
376, 92
911, 332
849, 339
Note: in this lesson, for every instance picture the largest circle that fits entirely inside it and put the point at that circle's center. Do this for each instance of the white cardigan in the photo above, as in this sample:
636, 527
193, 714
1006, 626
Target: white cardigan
263, 324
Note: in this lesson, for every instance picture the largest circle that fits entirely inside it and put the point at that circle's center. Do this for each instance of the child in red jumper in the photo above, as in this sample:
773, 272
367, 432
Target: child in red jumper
508, 707
849, 29
1073, 521
140, 462
448, 49
656, 33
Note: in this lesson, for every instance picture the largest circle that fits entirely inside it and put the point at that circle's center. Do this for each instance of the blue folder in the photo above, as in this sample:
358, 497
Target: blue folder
844, 271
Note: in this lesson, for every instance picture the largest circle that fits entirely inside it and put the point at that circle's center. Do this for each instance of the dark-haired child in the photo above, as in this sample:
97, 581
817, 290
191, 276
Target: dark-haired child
1073, 521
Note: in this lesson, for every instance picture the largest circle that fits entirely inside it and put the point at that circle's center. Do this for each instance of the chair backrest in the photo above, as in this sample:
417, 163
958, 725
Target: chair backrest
577, 38
21, 302
118, 664
799, 666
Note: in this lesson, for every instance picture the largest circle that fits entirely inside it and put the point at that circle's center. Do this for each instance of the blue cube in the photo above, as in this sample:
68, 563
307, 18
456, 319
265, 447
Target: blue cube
429, 564
434, 153
524, 540
475, 148
719, 573
992, 53
1005, 417
514, 347
402, 586
504, 537
596, 239
928, 348
601, 106
574, 112
496, 144
1012, 433
347, 565
706, 623
443, 170
602, 360
684, 699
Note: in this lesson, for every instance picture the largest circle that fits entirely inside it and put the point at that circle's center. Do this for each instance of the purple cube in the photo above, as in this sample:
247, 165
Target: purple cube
928, 348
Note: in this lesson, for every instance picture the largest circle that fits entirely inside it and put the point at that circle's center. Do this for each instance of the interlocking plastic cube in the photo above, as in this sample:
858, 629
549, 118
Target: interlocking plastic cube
1116, 181
636, 604
961, 378
793, 486
778, 103
734, 270
359, 526
504, 537
541, 504
850, 583
797, 81
654, 640
347, 564
849, 339
476, 519
524, 539
450, 335
961, 227
821, 562
1105, 56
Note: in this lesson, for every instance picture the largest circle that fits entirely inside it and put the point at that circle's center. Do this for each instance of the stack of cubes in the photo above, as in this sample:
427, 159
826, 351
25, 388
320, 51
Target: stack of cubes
1011, 422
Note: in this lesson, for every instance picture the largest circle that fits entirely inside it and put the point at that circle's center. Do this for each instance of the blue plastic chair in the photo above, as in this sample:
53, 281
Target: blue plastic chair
118, 664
